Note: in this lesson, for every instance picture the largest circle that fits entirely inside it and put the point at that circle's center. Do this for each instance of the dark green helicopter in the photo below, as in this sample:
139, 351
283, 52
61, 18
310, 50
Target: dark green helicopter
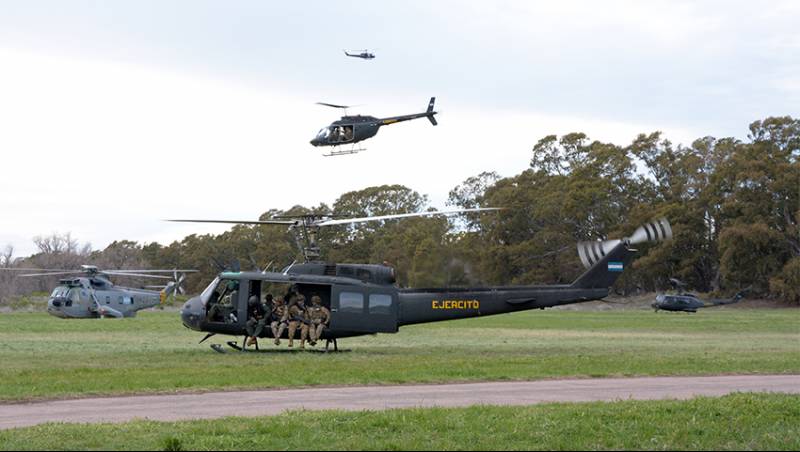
364, 299
688, 302
350, 130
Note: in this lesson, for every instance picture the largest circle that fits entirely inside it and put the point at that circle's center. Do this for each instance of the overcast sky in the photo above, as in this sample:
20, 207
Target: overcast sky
115, 115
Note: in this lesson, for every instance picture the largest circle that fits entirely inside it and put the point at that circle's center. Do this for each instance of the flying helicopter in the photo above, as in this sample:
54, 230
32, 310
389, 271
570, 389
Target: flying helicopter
364, 54
93, 295
688, 302
350, 130
364, 298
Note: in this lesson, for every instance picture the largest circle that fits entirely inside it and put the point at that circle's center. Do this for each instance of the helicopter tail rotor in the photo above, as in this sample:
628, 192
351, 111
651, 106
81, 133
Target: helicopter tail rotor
174, 287
653, 231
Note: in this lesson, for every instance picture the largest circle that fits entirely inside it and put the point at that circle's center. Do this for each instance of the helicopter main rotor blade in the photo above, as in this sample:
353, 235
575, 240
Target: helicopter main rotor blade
403, 215
51, 274
278, 222
136, 275
152, 271
21, 269
333, 105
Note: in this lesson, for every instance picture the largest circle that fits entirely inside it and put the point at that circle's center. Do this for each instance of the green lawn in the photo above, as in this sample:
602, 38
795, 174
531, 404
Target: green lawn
734, 422
46, 357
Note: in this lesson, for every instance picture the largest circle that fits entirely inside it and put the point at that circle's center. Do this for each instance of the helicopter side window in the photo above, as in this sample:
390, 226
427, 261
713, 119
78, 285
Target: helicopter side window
351, 302
380, 304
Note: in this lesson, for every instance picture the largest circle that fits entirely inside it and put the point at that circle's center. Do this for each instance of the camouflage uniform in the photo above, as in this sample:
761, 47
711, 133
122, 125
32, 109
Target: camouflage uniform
257, 318
320, 317
280, 319
298, 317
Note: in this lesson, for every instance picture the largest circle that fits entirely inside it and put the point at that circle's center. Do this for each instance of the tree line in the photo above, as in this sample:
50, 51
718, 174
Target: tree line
734, 207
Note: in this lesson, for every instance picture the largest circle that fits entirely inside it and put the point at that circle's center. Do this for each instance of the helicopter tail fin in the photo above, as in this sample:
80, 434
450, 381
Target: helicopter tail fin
430, 111
606, 270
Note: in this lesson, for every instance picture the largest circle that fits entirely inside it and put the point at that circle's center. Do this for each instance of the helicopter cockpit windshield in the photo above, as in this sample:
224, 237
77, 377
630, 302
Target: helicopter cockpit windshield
323, 133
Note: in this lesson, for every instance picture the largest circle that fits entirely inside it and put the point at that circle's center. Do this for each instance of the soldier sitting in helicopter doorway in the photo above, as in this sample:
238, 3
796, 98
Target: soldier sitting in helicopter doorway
298, 318
257, 316
319, 316
280, 319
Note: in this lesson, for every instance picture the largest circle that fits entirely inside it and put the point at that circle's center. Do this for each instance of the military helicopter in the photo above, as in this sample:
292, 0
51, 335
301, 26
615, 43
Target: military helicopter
364, 299
364, 55
93, 295
349, 130
689, 302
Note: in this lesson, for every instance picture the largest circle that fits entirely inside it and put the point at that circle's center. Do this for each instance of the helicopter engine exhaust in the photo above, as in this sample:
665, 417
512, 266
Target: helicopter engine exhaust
591, 252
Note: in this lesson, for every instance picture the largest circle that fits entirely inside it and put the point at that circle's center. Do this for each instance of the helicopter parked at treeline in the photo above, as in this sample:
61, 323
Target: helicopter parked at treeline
688, 302
89, 293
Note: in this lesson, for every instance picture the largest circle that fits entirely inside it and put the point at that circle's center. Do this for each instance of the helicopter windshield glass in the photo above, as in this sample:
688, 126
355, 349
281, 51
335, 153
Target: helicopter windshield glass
323, 133
206, 295
60, 291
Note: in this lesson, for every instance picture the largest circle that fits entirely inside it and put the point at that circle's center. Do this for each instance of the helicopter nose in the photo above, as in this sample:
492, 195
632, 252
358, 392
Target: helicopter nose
314, 142
192, 313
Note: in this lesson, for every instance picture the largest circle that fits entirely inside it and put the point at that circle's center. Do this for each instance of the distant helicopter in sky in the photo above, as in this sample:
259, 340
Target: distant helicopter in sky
93, 295
688, 302
349, 130
364, 54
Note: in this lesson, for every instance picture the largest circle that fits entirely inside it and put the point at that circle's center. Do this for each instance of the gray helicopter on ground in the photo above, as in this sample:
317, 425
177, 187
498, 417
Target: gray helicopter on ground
364, 299
688, 302
350, 130
93, 295
364, 54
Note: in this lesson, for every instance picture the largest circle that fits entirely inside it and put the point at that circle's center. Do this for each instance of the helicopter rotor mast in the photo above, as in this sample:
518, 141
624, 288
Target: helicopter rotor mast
309, 225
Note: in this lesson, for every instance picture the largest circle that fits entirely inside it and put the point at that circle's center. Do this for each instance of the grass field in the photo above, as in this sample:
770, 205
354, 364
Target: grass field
45, 357
734, 422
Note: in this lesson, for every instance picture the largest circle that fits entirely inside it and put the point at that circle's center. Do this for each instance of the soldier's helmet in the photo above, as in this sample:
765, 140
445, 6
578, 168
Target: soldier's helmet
301, 298
316, 300
253, 300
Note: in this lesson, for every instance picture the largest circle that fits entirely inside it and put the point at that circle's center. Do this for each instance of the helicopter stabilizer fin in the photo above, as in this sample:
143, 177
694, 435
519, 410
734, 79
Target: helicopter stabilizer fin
430, 112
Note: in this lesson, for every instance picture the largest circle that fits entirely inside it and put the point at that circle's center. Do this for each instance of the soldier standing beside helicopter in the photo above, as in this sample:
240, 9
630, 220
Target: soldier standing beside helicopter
298, 317
319, 316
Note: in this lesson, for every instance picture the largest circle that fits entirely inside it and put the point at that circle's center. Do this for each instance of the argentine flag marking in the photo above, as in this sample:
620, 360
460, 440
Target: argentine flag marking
615, 266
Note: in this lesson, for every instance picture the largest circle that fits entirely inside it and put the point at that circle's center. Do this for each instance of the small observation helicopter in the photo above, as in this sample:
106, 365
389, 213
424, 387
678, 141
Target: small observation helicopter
93, 295
688, 302
364, 299
364, 54
349, 130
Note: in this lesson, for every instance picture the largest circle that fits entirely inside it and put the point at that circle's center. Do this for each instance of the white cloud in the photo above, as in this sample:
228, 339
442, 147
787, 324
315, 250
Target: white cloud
107, 150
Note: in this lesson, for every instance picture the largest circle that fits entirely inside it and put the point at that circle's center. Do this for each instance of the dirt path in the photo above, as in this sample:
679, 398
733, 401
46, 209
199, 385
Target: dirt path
274, 402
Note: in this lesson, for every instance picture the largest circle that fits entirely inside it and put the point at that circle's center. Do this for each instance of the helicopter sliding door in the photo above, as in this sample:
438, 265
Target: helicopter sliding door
364, 310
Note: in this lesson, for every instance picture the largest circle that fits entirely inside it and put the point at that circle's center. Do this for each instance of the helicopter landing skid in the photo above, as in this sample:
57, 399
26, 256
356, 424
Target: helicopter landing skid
352, 150
235, 345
